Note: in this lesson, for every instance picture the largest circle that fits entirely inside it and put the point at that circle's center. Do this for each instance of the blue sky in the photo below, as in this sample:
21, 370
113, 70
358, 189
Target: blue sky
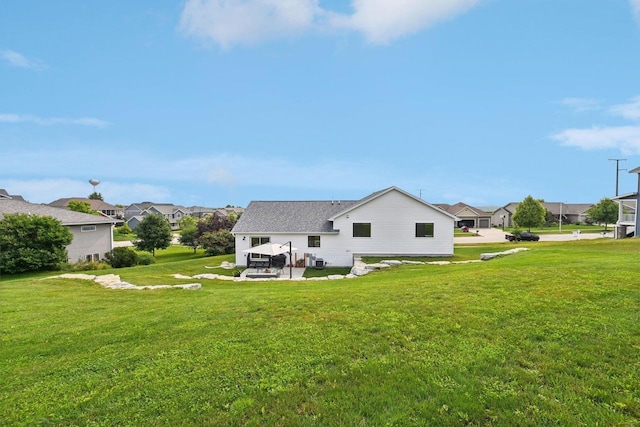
216, 102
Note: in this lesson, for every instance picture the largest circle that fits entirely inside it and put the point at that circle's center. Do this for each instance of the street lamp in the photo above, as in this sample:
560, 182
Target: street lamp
502, 217
560, 222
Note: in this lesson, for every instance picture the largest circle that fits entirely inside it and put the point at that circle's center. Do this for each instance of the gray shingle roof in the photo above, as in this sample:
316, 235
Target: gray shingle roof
65, 216
290, 217
96, 205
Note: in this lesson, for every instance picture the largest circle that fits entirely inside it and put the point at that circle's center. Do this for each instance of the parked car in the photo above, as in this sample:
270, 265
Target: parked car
525, 235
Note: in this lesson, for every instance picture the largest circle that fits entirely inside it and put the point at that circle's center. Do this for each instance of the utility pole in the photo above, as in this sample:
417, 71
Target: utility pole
618, 170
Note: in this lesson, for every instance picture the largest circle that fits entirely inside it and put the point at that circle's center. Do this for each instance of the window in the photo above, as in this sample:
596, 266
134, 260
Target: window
314, 241
361, 229
424, 229
86, 228
96, 257
257, 241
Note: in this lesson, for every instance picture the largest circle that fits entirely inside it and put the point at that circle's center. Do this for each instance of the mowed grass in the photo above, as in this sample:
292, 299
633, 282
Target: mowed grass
545, 337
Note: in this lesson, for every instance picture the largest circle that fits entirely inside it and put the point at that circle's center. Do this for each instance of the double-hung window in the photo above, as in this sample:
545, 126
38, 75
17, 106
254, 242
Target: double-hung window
257, 241
313, 241
361, 229
424, 229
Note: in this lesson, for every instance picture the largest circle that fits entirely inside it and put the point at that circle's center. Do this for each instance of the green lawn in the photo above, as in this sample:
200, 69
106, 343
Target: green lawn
550, 336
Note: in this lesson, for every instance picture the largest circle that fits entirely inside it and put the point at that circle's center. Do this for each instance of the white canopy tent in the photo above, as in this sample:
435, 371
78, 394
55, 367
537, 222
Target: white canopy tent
271, 249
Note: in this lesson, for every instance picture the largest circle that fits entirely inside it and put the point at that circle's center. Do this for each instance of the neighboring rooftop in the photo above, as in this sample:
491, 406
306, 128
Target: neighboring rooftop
65, 216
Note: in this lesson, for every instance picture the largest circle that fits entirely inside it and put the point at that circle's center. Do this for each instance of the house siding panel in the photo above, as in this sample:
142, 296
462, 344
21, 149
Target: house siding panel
393, 217
89, 243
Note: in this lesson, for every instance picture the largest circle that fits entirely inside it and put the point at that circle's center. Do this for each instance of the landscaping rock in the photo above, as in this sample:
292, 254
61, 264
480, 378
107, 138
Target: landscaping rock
77, 276
492, 255
391, 262
358, 271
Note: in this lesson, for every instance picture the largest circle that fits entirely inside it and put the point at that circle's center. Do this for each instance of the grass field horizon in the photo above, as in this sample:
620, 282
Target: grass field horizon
547, 336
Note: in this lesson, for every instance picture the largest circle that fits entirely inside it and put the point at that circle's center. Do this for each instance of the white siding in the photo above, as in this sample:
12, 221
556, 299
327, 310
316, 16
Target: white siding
90, 242
393, 217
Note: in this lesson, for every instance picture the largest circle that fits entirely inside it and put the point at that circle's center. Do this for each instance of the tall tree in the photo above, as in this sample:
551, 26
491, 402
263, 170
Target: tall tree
212, 223
529, 213
81, 206
154, 233
189, 237
605, 212
32, 243
96, 196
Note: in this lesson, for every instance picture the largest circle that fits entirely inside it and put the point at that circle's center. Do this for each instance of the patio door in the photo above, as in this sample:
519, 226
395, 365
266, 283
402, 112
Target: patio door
257, 241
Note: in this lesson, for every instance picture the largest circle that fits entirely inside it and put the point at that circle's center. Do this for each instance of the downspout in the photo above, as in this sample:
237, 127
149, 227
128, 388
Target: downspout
635, 232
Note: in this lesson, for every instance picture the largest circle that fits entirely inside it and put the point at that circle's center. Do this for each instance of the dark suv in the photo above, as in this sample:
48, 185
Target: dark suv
525, 235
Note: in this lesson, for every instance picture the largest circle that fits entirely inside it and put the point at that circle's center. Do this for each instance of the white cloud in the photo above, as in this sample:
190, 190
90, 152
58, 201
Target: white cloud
232, 22
635, 7
382, 21
624, 138
23, 118
630, 110
581, 104
18, 60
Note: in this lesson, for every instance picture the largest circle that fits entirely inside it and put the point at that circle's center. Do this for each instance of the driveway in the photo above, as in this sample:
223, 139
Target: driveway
493, 235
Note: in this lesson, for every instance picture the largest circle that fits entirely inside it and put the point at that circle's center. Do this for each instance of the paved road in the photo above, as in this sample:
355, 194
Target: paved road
492, 235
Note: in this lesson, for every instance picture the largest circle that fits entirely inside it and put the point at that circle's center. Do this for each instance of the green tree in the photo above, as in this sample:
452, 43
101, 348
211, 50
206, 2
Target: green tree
189, 237
32, 243
605, 212
188, 221
218, 242
529, 213
81, 206
96, 196
154, 233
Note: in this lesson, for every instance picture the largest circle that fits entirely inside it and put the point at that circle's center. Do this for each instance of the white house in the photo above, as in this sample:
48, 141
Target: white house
390, 222
92, 234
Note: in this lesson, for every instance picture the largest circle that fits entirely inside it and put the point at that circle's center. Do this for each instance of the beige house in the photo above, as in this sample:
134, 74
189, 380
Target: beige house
92, 234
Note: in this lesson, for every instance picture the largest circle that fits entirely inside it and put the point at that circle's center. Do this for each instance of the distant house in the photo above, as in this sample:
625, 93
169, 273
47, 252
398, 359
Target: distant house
201, 212
390, 222
135, 212
92, 234
469, 216
571, 213
96, 205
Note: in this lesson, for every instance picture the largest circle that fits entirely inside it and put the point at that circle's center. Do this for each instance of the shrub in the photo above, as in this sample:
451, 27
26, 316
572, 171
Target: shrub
32, 243
218, 242
145, 258
123, 230
84, 266
121, 257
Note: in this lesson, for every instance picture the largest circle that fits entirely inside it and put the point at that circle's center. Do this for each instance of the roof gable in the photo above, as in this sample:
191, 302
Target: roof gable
378, 194
307, 216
